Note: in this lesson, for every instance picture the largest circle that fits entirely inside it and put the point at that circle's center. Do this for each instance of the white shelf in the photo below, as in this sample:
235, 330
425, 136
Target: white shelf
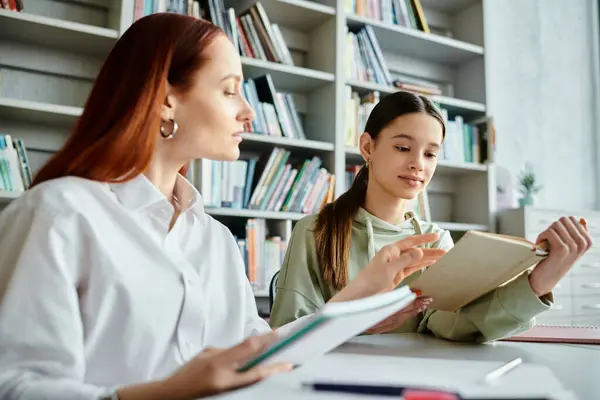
454, 106
243, 213
287, 142
51, 32
363, 87
300, 15
444, 167
36, 112
460, 227
450, 6
287, 77
449, 167
6, 197
414, 43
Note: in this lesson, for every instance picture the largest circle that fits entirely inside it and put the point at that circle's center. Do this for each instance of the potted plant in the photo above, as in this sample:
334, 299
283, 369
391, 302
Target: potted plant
528, 186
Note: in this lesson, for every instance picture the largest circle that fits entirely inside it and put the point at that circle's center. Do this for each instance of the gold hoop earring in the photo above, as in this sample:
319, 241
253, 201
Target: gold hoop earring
172, 130
367, 164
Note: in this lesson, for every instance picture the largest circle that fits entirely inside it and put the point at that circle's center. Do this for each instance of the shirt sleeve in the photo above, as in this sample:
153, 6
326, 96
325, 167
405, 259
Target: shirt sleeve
503, 312
41, 333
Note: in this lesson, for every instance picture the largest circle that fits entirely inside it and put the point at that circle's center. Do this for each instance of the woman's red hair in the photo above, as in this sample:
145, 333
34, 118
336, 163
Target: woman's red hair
114, 139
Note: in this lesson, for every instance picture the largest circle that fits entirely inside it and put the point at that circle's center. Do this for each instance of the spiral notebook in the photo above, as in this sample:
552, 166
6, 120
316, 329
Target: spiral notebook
572, 334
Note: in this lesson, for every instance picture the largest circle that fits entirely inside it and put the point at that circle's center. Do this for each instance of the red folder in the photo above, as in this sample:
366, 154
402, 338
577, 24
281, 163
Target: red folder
559, 334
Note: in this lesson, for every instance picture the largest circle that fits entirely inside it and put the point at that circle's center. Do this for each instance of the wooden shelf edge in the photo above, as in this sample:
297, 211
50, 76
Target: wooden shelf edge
449, 42
462, 166
289, 142
288, 69
309, 5
245, 213
8, 196
443, 100
458, 103
41, 107
61, 24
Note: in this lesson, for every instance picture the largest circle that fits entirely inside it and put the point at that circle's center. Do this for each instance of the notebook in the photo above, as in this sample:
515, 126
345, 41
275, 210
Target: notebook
331, 326
571, 334
477, 264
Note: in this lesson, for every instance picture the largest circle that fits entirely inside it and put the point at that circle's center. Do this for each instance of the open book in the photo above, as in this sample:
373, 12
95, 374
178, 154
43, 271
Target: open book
477, 264
331, 326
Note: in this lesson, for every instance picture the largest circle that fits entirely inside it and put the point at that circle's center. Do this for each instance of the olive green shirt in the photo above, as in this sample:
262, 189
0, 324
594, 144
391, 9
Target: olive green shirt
301, 290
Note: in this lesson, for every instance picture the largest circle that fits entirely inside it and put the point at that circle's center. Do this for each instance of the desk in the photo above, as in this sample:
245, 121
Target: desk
576, 366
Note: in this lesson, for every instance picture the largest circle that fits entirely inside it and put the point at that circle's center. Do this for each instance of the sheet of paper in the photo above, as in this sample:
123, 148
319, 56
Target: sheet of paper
462, 376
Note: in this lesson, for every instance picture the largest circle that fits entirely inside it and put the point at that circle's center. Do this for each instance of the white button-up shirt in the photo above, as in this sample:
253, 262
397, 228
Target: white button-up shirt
96, 292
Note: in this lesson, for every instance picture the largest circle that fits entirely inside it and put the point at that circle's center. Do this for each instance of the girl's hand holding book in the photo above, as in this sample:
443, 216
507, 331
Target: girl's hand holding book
568, 239
391, 265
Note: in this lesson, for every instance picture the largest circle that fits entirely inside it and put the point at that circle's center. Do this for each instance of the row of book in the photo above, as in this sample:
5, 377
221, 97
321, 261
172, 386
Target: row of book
251, 31
256, 37
283, 185
407, 13
147, 7
464, 143
13, 5
364, 58
262, 254
15, 170
276, 112
358, 109
365, 62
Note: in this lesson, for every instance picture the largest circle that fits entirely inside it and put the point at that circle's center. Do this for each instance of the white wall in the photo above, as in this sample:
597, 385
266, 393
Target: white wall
540, 81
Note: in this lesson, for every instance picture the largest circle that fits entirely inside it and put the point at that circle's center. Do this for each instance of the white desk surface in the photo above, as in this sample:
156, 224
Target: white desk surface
577, 367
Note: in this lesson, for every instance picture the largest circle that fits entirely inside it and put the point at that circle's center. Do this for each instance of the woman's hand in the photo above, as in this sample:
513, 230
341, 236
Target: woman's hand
568, 239
396, 320
212, 371
390, 266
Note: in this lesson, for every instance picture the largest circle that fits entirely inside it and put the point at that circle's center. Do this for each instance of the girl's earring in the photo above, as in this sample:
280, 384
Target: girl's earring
170, 132
367, 164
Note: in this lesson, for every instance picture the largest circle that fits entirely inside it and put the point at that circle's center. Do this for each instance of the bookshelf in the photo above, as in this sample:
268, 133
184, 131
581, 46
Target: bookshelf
60, 47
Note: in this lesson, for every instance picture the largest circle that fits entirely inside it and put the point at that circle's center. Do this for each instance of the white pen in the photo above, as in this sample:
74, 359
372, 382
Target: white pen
491, 376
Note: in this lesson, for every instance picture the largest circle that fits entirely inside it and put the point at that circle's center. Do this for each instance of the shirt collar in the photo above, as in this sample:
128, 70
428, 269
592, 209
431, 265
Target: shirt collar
139, 193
